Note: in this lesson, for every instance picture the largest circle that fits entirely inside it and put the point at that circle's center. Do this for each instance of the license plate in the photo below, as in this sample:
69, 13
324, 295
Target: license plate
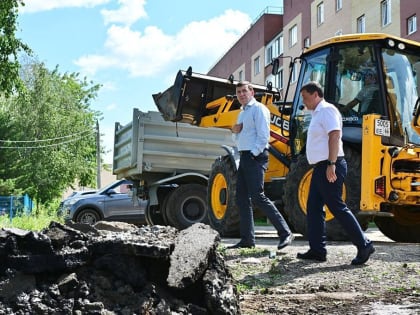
382, 127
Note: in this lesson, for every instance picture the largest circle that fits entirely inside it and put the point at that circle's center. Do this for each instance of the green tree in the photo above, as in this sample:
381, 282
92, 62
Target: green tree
10, 47
51, 133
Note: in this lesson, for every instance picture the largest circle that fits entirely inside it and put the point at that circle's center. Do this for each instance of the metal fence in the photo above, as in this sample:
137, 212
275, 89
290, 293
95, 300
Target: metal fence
15, 205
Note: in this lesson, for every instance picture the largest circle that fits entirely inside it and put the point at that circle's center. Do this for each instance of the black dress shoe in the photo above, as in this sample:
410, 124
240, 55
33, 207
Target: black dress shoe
363, 255
286, 242
241, 245
312, 255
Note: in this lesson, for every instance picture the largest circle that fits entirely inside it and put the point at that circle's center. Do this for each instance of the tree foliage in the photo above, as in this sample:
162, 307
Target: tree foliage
49, 135
10, 47
47, 130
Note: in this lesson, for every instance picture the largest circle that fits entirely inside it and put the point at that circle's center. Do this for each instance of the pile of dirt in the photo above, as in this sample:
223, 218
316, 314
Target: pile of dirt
114, 268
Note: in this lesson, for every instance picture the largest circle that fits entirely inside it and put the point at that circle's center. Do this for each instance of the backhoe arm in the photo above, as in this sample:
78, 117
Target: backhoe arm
206, 101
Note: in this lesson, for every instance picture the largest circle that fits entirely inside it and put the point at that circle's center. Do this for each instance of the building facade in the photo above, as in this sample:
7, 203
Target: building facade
285, 31
246, 60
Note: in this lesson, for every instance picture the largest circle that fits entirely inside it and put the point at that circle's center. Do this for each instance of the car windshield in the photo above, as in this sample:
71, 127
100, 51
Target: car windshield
120, 186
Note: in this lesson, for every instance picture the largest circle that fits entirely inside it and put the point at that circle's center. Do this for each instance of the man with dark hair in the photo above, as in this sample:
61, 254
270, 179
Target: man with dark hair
324, 150
252, 133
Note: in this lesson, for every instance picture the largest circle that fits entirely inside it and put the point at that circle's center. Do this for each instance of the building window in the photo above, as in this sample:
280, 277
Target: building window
277, 47
411, 24
361, 24
294, 74
306, 42
386, 12
320, 13
293, 35
279, 79
241, 75
338, 5
281, 45
257, 66
269, 55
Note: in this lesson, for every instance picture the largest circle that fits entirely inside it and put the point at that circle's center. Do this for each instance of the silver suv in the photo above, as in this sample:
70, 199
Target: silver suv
111, 203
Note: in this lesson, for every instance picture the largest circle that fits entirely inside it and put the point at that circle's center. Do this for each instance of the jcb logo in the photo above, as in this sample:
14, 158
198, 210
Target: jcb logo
279, 122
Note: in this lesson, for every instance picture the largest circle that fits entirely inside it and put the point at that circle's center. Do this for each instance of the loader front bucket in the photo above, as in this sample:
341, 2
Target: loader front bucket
186, 100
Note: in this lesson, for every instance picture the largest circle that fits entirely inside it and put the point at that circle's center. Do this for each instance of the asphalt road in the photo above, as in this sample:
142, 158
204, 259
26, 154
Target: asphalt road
266, 236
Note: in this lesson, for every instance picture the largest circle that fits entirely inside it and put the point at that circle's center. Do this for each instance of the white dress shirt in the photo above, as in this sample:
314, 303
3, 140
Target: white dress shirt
325, 118
255, 132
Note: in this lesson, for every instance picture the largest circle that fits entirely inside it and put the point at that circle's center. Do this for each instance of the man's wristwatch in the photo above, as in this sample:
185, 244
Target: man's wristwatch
330, 162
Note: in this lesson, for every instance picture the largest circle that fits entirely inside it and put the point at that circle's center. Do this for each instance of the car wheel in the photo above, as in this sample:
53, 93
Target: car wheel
88, 216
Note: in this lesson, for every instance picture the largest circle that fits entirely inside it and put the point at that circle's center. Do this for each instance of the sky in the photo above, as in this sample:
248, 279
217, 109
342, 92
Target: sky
133, 48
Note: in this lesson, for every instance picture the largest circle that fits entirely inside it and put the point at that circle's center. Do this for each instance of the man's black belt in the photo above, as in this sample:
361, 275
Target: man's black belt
326, 161
248, 151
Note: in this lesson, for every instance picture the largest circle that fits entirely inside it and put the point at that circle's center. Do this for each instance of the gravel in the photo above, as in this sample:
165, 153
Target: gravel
276, 282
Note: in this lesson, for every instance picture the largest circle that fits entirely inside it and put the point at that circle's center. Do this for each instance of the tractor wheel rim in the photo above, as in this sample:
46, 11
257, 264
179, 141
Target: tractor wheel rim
303, 193
219, 189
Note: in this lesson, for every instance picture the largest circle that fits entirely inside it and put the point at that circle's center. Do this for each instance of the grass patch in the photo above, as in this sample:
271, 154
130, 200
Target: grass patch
33, 221
245, 252
262, 221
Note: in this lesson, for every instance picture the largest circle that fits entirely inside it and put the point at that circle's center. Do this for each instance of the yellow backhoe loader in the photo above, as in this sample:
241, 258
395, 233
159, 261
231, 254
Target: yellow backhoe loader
381, 138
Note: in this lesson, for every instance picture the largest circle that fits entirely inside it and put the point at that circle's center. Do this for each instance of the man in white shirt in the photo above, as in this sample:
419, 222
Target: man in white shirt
324, 149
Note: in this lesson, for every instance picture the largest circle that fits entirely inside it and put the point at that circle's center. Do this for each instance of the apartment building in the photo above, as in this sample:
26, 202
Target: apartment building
314, 21
246, 59
285, 31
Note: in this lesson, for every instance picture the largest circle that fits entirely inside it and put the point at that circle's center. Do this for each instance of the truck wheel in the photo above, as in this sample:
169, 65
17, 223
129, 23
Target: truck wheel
187, 205
223, 212
403, 227
163, 208
88, 216
154, 216
296, 191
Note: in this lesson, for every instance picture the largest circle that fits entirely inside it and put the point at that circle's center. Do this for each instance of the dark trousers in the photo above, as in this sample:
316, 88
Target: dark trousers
250, 187
321, 193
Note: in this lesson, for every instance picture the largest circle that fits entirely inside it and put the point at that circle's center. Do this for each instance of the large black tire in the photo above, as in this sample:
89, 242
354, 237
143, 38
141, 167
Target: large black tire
154, 216
296, 190
88, 216
223, 212
403, 227
187, 205
163, 208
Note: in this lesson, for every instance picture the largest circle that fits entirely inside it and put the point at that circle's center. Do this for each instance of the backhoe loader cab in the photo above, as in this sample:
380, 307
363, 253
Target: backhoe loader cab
380, 133
379, 70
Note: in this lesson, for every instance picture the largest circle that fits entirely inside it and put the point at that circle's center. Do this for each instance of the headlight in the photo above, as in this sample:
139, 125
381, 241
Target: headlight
70, 202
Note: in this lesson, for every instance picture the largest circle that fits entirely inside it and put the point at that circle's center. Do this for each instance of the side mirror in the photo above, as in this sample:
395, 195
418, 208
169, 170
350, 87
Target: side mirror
416, 117
276, 65
111, 192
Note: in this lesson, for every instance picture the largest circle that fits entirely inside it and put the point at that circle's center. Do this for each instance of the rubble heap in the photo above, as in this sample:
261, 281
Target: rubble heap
114, 268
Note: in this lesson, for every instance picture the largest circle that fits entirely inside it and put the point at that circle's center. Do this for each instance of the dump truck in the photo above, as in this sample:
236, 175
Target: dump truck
381, 141
169, 165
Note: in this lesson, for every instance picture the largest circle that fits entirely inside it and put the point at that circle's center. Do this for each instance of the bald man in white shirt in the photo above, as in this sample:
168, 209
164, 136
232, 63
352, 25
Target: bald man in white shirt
324, 150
